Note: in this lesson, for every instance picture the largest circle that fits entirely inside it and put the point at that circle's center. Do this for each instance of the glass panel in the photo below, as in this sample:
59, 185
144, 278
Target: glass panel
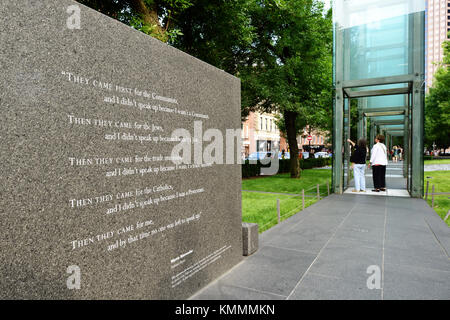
377, 36
397, 100
376, 39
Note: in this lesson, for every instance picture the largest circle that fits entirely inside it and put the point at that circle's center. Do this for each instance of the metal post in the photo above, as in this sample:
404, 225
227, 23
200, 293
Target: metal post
318, 192
426, 193
328, 188
347, 107
409, 148
418, 38
360, 128
347, 149
372, 134
386, 138
406, 139
278, 210
389, 137
432, 196
303, 199
365, 128
338, 112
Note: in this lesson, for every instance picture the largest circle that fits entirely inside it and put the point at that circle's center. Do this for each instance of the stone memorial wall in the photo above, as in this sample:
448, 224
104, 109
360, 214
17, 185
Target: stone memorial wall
95, 118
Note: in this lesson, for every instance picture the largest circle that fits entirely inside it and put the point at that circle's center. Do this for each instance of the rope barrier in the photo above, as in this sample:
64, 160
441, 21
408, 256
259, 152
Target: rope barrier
312, 198
299, 208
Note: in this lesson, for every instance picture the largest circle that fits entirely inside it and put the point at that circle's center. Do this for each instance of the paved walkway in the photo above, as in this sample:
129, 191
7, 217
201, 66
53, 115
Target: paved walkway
324, 252
283, 193
395, 182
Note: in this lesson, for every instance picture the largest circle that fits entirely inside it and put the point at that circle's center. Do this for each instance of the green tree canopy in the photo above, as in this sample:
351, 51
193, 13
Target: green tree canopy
437, 106
153, 17
218, 32
289, 65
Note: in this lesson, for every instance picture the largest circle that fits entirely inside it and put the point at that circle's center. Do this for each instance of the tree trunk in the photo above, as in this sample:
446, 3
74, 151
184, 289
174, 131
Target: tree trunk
150, 16
289, 120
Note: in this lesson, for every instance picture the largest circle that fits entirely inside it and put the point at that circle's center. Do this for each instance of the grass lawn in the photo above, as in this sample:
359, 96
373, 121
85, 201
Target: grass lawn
441, 181
261, 208
442, 161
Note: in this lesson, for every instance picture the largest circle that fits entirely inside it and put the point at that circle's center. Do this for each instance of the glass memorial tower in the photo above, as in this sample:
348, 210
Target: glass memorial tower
379, 68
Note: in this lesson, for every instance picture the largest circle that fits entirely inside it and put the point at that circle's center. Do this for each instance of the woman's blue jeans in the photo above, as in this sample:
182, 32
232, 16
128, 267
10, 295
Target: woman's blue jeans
360, 179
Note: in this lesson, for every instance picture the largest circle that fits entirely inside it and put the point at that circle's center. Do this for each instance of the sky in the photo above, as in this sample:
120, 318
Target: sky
327, 4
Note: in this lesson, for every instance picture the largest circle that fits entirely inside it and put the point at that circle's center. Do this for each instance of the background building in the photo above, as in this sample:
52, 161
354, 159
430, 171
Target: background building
317, 143
436, 32
260, 133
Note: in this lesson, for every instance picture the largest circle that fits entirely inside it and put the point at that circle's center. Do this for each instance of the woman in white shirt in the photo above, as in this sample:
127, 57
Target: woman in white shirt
378, 161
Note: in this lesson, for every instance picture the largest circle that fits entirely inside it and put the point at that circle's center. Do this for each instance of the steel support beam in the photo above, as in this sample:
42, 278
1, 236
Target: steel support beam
372, 134
388, 111
338, 114
384, 114
406, 141
377, 92
384, 109
388, 142
365, 128
418, 93
396, 131
347, 107
389, 122
346, 144
360, 128
391, 129
378, 81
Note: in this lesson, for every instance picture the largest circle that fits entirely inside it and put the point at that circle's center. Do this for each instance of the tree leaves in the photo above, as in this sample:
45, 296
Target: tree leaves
437, 105
152, 17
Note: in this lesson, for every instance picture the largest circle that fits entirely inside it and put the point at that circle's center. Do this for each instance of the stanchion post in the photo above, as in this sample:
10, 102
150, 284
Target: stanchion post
432, 196
318, 193
278, 210
303, 199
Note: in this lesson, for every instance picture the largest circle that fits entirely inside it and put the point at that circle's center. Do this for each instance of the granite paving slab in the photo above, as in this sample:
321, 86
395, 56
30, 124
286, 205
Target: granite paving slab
400, 240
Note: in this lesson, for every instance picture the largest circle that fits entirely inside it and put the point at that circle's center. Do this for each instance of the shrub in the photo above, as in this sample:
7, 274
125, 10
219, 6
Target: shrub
254, 170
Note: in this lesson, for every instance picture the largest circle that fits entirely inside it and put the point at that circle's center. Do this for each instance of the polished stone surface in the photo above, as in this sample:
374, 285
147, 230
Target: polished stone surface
86, 114
250, 237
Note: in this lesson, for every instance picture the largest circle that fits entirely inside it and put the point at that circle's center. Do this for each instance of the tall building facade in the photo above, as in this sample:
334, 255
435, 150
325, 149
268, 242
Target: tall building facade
437, 28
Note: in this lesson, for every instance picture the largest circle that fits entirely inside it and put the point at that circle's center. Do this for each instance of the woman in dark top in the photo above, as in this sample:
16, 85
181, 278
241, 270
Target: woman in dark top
358, 160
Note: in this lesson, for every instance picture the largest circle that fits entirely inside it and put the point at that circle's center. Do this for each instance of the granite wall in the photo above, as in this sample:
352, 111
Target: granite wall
93, 205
